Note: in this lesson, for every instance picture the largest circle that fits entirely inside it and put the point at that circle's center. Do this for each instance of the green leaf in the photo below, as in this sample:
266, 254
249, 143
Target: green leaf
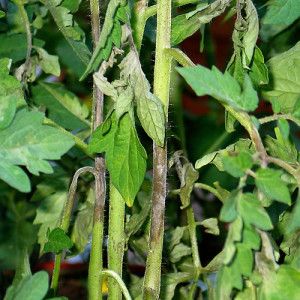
11, 94
242, 145
149, 108
185, 25
17, 234
83, 224
252, 212
2, 14
71, 5
170, 282
57, 241
222, 87
14, 46
231, 276
48, 214
249, 36
110, 34
138, 218
291, 247
121, 141
49, 63
294, 220
33, 287
234, 235
52, 194
7, 109
173, 237
251, 238
182, 28
284, 88
74, 55
14, 176
229, 211
282, 12
259, 73
270, 183
283, 149
70, 30
238, 165
211, 226
179, 251
64, 107
26, 142
283, 284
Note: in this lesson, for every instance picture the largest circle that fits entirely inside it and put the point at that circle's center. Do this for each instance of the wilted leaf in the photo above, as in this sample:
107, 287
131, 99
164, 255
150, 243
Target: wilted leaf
149, 108
188, 177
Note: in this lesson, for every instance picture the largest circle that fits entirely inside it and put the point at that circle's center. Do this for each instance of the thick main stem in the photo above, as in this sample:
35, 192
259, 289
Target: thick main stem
116, 241
96, 259
162, 73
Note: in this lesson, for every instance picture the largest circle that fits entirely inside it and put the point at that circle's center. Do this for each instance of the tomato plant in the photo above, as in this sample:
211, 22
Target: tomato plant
91, 161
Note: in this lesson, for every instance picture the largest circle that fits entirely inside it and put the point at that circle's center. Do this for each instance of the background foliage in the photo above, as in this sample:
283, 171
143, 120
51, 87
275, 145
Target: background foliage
232, 215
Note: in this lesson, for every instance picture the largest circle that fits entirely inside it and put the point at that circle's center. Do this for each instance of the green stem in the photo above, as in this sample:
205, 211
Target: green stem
195, 251
116, 242
115, 276
25, 20
208, 188
162, 73
80, 144
192, 232
278, 117
96, 256
180, 57
65, 220
245, 120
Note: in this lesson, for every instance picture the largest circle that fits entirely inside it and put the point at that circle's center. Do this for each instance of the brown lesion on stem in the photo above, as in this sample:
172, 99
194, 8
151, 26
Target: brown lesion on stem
159, 192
